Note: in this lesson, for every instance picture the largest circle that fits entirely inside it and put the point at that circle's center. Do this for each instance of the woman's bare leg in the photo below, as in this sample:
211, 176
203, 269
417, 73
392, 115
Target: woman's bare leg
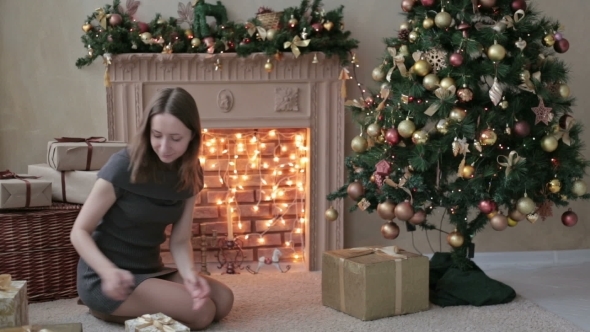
222, 296
170, 298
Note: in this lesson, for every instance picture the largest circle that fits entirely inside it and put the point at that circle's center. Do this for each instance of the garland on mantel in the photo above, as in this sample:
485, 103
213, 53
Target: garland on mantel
307, 28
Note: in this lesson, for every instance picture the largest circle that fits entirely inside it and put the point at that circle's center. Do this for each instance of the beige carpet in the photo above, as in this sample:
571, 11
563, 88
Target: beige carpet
292, 302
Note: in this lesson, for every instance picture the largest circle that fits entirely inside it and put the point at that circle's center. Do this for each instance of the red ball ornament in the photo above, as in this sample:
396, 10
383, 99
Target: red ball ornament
569, 218
407, 5
143, 27
427, 3
561, 46
518, 5
522, 128
456, 59
487, 206
392, 136
318, 27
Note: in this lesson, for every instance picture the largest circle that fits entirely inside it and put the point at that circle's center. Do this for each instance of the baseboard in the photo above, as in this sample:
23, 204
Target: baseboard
530, 258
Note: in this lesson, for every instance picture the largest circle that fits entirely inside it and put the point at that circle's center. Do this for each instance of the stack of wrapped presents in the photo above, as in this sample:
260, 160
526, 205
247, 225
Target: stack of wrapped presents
37, 211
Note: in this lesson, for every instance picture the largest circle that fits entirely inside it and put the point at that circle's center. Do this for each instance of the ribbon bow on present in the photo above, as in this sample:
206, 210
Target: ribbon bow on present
295, 44
5, 283
5, 175
393, 251
162, 324
512, 159
88, 141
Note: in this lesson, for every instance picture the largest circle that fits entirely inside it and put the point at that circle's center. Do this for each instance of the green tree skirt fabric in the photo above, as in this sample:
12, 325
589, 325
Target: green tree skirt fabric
450, 286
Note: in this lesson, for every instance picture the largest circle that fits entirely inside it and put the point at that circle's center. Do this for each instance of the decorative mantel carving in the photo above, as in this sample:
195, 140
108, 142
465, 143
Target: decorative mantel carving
241, 94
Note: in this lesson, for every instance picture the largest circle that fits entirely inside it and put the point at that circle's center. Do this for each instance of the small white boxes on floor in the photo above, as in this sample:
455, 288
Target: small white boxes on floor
154, 323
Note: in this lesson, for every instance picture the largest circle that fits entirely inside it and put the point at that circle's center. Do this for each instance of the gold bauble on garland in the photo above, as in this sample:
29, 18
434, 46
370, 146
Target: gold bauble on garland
271, 34
442, 126
419, 137
488, 137
374, 129
564, 90
359, 144
467, 172
378, 74
413, 36
268, 66
496, 52
431, 82
455, 239
447, 82
579, 188
512, 222
422, 67
457, 114
406, 128
549, 143
549, 40
331, 214
525, 205
443, 19
554, 186
195, 42
427, 23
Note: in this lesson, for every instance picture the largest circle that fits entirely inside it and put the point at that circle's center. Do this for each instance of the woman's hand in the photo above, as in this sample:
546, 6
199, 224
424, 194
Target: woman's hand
117, 284
198, 288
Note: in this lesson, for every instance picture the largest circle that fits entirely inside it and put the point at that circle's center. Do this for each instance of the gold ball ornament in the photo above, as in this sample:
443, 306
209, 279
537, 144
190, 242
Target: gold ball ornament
404, 211
579, 188
554, 186
386, 210
447, 82
161, 21
549, 143
359, 144
515, 215
427, 23
499, 222
405, 26
87, 27
268, 66
372, 178
378, 74
492, 214
195, 42
189, 33
549, 40
467, 172
293, 21
146, 36
431, 82
374, 129
488, 137
496, 52
525, 205
455, 239
355, 190
271, 34
419, 137
331, 214
406, 128
504, 104
457, 114
413, 36
422, 67
512, 222
390, 230
443, 19
380, 139
564, 90
442, 126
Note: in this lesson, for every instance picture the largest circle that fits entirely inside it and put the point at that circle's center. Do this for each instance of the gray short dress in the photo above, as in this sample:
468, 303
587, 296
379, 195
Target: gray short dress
132, 230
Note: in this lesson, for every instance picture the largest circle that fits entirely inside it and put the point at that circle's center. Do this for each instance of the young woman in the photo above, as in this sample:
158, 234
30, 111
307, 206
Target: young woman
118, 233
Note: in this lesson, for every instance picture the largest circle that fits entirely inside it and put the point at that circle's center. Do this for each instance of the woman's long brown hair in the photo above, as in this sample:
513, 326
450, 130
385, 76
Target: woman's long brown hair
144, 160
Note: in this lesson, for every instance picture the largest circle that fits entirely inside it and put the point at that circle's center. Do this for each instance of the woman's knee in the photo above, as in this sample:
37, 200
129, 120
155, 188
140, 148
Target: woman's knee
224, 302
204, 316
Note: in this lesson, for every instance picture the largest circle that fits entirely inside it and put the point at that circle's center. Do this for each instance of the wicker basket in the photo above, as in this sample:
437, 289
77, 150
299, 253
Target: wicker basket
35, 246
269, 20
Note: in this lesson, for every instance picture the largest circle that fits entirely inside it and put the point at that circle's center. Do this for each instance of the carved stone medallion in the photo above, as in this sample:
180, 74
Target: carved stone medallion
225, 100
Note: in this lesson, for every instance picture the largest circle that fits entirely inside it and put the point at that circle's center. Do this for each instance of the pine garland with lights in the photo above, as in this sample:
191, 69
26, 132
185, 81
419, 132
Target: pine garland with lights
473, 116
307, 28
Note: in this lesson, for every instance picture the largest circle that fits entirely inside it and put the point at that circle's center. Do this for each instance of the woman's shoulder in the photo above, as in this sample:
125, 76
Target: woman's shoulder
117, 170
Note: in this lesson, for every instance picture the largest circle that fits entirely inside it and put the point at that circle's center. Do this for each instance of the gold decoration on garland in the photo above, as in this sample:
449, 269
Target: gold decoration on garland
295, 44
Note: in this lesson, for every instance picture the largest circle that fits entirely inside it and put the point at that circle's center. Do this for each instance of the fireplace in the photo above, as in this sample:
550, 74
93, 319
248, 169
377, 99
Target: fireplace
272, 150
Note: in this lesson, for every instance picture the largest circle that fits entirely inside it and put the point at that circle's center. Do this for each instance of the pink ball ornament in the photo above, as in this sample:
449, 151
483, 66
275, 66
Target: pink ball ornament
392, 136
518, 5
407, 5
115, 19
487, 206
522, 128
569, 218
427, 3
456, 59
558, 36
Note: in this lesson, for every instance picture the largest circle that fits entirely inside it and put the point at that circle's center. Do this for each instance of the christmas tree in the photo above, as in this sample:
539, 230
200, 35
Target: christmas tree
474, 116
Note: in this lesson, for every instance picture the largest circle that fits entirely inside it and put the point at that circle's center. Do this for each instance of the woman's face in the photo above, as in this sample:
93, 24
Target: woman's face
169, 137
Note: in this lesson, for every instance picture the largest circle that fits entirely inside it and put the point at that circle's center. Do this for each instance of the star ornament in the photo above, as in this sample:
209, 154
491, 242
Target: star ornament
542, 112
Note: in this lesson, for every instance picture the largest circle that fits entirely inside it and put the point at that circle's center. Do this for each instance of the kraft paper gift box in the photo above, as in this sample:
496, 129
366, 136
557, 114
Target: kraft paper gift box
374, 283
154, 323
19, 191
81, 154
14, 306
66, 186
70, 327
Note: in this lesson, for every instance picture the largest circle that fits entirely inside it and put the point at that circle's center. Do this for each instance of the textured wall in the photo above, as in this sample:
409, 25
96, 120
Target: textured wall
43, 95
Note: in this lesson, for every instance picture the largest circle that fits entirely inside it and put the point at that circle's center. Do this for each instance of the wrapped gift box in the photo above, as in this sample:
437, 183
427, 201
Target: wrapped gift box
71, 327
66, 186
20, 190
81, 154
373, 283
14, 306
154, 323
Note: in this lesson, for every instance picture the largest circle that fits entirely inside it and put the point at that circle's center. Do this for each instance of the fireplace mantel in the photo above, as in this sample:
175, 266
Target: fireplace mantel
237, 92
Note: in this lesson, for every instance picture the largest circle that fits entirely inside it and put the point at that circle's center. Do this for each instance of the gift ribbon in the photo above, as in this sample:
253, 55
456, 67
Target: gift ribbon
88, 141
162, 324
512, 159
295, 44
442, 94
564, 134
10, 175
6, 283
392, 251
398, 61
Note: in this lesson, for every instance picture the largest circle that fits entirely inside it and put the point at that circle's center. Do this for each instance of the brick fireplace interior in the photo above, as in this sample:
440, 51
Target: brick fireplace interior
272, 148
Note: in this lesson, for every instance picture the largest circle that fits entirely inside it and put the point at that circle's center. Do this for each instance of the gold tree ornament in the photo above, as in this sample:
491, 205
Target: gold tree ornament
455, 239
295, 44
359, 144
331, 214
579, 188
268, 66
554, 186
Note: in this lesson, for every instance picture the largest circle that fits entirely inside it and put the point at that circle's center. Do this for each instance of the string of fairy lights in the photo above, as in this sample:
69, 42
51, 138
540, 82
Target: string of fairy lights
239, 157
